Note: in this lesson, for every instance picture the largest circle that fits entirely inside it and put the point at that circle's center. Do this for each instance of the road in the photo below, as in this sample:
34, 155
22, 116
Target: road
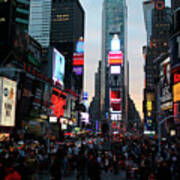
104, 176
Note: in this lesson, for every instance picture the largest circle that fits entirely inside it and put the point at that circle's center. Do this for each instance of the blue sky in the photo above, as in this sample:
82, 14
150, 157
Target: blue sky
136, 39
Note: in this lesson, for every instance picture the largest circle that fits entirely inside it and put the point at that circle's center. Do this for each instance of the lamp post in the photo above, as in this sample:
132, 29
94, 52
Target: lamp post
159, 131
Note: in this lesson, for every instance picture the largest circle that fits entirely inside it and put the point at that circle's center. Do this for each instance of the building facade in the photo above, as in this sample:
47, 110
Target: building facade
39, 21
157, 23
14, 15
114, 25
175, 61
67, 26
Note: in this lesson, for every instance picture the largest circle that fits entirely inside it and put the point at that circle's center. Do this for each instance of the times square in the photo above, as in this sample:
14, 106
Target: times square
89, 89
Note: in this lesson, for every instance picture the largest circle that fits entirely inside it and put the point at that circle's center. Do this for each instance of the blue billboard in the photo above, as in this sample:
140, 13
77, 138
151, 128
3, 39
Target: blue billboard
58, 66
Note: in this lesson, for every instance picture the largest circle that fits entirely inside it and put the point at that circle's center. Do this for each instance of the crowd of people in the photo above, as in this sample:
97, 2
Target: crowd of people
89, 156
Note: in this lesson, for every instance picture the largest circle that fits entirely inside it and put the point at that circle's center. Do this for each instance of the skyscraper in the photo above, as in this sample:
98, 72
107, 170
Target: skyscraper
39, 21
67, 26
157, 27
22, 14
114, 24
14, 15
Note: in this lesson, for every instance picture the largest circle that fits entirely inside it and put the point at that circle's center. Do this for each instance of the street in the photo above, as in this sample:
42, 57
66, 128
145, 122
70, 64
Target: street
104, 176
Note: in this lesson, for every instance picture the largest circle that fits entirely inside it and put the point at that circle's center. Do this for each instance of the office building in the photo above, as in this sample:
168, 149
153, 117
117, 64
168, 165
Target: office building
114, 30
14, 16
157, 23
40, 21
175, 62
67, 26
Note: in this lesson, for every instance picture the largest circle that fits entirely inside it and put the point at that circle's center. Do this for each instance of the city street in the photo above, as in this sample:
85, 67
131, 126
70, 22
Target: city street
89, 89
104, 176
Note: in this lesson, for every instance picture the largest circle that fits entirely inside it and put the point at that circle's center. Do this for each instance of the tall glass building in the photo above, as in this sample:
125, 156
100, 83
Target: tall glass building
114, 22
39, 21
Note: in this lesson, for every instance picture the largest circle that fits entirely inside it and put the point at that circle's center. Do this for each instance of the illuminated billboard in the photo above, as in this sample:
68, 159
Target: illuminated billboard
7, 102
115, 101
116, 116
85, 117
115, 43
176, 78
115, 69
80, 46
176, 92
177, 112
58, 103
78, 70
58, 66
115, 57
85, 95
78, 59
165, 85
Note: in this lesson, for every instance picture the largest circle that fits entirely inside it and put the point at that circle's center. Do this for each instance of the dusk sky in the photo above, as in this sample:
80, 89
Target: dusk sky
136, 40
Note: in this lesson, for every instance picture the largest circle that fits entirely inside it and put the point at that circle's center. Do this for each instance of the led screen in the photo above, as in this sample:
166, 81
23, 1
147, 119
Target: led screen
80, 47
58, 103
78, 70
53, 119
78, 59
176, 92
58, 66
115, 101
115, 69
85, 117
7, 102
115, 43
115, 57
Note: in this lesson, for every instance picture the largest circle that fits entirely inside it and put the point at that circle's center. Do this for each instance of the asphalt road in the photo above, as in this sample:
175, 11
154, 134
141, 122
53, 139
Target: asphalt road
104, 176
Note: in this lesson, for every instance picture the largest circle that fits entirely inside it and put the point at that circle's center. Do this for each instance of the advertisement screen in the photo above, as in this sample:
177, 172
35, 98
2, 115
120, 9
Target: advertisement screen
115, 69
78, 70
85, 117
80, 46
115, 43
58, 103
115, 57
53, 119
115, 101
85, 95
58, 66
176, 78
78, 59
7, 102
116, 116
176, 92
177, 112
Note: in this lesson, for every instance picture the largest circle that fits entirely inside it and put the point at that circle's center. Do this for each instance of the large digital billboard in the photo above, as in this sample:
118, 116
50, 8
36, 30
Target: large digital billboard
115, 43
78, 59
58, 103
80, 46
115, 69
58, 66
7, 102
78, 70
115, 101
85, 117
165, 88
115, 57
176, 92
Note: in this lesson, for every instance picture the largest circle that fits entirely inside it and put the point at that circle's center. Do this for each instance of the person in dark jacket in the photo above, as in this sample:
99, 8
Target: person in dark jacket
94, 169
164, 171
56, 168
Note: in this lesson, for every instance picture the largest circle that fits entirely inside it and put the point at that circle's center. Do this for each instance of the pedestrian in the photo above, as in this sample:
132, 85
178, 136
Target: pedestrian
11, 174
31, 165
94, 169
164, 171
56, 167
